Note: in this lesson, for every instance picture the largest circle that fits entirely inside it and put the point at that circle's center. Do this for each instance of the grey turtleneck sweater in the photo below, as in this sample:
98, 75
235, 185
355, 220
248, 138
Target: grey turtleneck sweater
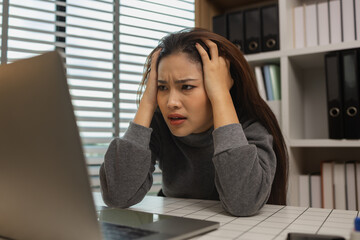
234, 164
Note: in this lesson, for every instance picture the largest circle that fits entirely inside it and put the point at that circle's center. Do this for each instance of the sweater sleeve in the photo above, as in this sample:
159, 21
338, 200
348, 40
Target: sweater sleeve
126, 174
245, 165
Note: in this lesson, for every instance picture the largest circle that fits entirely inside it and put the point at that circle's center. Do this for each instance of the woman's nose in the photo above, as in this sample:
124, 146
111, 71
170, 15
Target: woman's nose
174, 100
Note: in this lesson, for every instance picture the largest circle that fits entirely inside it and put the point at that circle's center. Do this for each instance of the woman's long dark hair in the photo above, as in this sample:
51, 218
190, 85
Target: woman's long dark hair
244, 92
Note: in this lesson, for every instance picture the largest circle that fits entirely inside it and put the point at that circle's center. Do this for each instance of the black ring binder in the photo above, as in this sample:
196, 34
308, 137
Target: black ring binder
351, 85
334, 92
270, 28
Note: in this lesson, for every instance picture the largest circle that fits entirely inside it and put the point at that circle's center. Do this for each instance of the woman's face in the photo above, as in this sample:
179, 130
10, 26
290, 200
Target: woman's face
181, 95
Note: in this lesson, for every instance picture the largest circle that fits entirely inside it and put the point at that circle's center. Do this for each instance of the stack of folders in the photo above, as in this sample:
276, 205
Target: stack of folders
252, 30
269, 86
325, 22
343, 93
268, 81
338, 186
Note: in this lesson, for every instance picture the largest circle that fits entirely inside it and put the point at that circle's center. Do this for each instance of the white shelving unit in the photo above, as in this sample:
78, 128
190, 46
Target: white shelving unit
304, 104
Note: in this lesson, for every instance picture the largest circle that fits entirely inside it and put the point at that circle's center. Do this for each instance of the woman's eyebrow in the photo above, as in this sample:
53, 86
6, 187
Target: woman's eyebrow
185, 80
180, 81
161, 81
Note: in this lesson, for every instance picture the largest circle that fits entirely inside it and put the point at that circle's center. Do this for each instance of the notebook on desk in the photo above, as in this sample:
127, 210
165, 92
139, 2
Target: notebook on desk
45, 190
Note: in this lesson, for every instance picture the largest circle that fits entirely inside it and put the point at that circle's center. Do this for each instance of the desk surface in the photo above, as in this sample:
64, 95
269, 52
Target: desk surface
272, 222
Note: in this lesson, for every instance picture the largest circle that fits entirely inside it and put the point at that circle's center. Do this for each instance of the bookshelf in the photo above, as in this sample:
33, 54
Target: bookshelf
304, 104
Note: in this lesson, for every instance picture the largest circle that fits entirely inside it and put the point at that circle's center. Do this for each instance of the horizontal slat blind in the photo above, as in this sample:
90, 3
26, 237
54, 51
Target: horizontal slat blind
105, 44
90, 68
31, 30
1, 31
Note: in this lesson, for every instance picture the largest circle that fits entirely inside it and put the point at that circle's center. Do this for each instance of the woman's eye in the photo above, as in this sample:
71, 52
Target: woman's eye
187, 87
161, 88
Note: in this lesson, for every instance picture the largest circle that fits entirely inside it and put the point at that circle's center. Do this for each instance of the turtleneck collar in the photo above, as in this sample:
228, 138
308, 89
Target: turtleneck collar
198, 139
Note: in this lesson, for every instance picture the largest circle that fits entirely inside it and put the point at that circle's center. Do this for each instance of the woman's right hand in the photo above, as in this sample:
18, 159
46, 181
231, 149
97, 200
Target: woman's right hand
148, 102
150, 92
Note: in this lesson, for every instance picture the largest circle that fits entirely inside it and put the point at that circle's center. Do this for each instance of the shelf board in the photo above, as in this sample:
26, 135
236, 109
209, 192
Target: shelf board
313, 143
323, 48
305, 57
258, 58
313, 57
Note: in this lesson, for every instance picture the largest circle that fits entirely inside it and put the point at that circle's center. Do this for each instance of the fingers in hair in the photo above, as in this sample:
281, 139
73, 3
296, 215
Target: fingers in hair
214, 52
203, 54
155, 56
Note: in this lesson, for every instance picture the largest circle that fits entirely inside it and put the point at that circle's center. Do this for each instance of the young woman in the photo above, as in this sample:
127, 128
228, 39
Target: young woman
202, 118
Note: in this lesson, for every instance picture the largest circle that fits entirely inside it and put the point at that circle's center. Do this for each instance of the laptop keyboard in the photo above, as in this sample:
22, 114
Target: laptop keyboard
114, 232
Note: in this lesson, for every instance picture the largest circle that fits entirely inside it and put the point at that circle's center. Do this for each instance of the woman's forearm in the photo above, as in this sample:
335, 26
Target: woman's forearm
148, 102
126, 174
145, 113
245, 167
223, 110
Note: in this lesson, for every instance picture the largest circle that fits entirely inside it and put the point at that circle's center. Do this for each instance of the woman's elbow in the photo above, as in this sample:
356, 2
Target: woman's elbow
243, 209
113, 201
245, 205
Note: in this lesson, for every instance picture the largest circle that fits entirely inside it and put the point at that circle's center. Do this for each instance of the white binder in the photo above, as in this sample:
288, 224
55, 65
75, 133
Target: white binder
335, 21
311, 31
348, 20
323, 22
299, 27
357, 19
260, 82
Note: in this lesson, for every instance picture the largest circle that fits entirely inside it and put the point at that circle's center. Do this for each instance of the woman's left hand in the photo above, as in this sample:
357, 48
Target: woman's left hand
217, 77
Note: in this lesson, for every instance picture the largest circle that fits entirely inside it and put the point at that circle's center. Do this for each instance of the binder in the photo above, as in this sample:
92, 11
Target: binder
339, 185
299, 27
220, 25
327, 183
357, 19
270, 28
268, 84
348, 20
311, 31
304, 190
315, 190
335, 21
236, 29
260, 82
323, 22
350, 183
334, 95
357, 177
252, 27
275, 81
350, 77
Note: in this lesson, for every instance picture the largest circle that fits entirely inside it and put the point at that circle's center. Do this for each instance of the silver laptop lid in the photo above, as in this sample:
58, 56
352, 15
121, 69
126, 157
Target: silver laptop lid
36, 111
45, 190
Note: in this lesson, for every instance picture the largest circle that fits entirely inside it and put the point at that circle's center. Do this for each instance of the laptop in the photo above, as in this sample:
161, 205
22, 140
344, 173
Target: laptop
44, 186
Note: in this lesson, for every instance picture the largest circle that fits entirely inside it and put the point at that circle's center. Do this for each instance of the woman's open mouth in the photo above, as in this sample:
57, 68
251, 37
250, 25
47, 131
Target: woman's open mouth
176, 119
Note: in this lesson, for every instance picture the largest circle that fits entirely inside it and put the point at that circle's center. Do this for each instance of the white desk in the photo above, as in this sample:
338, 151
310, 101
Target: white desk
272, 222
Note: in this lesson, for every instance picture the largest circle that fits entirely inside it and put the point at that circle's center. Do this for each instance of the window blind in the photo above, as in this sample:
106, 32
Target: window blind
104, 44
